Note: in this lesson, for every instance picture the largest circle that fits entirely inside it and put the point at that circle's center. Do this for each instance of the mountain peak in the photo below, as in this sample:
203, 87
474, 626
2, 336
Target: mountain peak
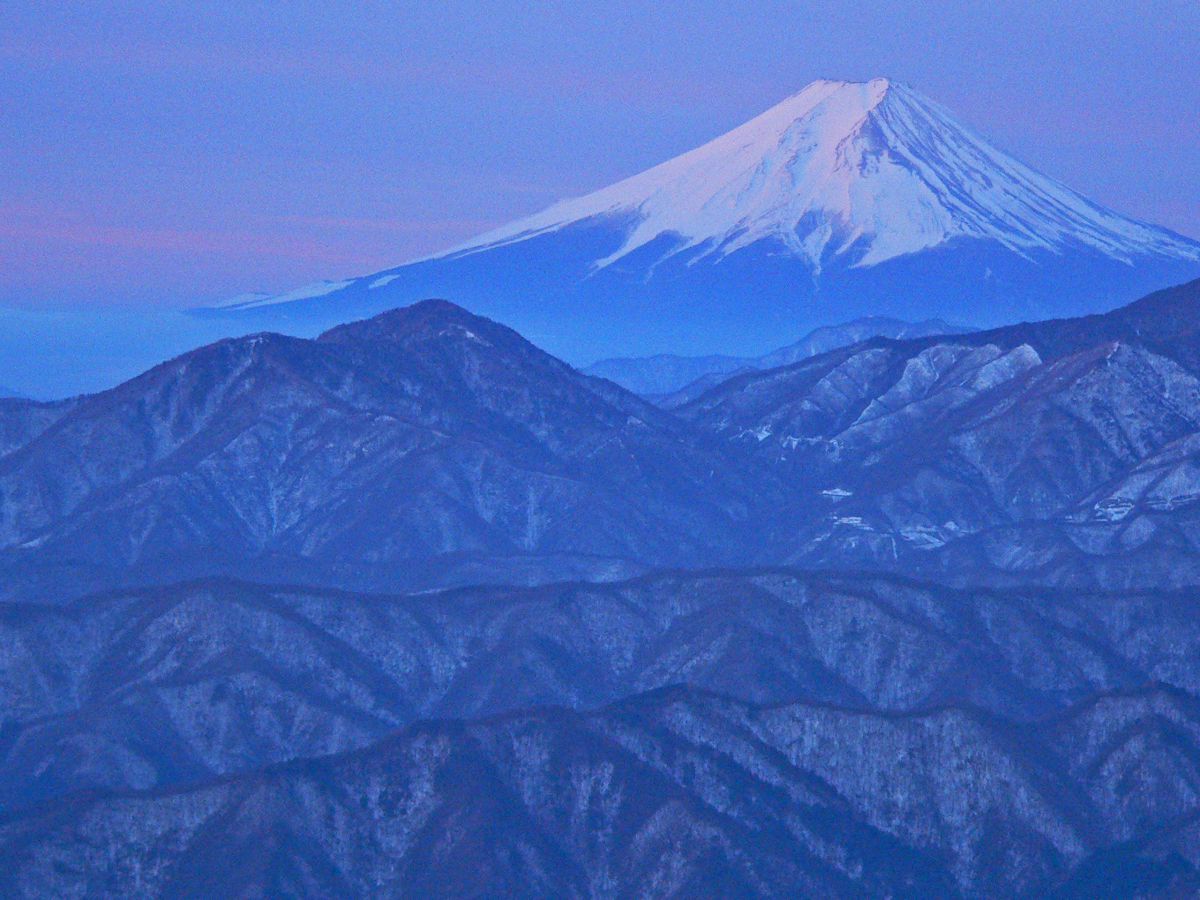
866, 171
846, 199
867, 93
425, 318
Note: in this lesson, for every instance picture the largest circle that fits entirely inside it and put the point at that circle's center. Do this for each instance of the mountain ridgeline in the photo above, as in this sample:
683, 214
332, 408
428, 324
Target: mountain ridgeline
416, 607
429, 447
388, 452
145, 688
579, 589
673, 793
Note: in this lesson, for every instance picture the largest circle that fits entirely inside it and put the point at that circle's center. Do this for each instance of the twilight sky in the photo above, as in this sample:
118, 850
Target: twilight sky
174, 153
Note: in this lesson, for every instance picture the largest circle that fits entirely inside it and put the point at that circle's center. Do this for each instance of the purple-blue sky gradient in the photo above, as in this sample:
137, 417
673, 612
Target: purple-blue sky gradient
176, 153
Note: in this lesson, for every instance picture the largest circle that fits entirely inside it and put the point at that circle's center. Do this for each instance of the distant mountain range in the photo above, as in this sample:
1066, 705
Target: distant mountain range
362, 593
672, 380
388, 452
846, 200
428, 447
124, 690
417, 607
672, 793
152, 739
1061, 450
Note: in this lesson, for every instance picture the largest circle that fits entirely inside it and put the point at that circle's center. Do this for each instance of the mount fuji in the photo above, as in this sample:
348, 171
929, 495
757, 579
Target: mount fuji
845, 200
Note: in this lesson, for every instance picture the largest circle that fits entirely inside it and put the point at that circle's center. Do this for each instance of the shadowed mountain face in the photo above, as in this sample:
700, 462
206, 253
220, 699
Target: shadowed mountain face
161, 686
430, 447
1058, 451
834, 734
23, 420
675, 793
422, 436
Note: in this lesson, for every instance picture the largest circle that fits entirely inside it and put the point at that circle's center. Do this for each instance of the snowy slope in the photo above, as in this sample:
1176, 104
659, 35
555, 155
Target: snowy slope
843, 202
873, 170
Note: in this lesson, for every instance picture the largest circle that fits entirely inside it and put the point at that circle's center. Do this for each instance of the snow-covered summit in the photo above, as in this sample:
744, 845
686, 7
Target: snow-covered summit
848, 200
865, 170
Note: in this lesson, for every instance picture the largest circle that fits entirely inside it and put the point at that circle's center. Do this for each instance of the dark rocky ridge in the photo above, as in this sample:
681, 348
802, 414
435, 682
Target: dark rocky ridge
168, 685
424, 440
673, 793
428, 447
837, 734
